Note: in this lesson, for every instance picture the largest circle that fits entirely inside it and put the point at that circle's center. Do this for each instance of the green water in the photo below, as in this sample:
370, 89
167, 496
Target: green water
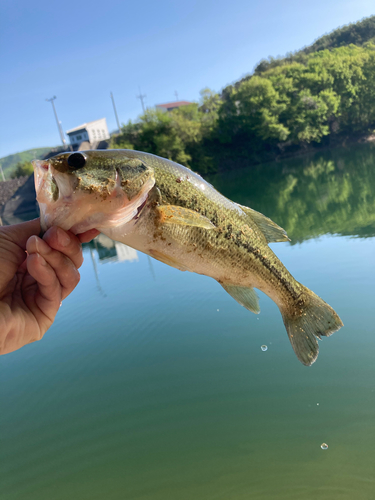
152, 384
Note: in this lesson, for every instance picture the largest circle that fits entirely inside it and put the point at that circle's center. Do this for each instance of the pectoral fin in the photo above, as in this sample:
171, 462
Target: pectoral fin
270, 229
245, 296
172, 214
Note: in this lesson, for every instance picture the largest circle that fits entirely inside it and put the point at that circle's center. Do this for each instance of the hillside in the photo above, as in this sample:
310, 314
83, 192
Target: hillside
319, 97
7, 162
356, 33
359, 34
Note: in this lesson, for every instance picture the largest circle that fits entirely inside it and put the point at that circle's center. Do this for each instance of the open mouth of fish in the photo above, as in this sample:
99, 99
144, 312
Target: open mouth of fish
79, 203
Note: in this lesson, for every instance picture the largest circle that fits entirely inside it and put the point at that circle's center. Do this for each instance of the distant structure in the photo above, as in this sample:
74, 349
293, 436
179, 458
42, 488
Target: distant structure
113, 251
141, 97
172, 105
91, 132
57, 120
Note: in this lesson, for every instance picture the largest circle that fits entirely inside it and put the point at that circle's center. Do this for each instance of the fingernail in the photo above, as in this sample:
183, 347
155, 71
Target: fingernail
62, 237
41, 260
36, 241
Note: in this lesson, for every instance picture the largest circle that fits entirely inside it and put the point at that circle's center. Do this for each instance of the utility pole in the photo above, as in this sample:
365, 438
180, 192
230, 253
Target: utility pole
57, 120
176, 94
114, 109
2, 174
141, 96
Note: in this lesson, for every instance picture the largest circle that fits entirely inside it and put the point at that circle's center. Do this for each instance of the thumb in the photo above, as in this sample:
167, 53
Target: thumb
20, 233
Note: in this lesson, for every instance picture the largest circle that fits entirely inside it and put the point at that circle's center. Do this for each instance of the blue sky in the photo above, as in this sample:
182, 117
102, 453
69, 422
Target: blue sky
80, 51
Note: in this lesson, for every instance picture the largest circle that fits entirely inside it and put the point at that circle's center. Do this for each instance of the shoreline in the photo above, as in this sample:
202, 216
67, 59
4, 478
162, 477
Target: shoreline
246, 161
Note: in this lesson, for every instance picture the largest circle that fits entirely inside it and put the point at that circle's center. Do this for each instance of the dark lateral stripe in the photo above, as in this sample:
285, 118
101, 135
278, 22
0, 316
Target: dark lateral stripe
267, 264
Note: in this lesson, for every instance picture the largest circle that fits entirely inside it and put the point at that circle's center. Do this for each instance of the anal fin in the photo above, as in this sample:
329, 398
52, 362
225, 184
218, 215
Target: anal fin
245, 296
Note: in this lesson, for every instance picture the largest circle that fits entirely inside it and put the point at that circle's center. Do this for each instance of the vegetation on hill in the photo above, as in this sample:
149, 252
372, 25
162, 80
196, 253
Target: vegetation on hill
331, 94
315, 98
355, 33
9, 163
22, 169
183, 135
358, 34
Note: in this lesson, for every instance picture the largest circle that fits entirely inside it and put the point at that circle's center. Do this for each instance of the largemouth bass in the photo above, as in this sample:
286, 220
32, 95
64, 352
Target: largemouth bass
172, 214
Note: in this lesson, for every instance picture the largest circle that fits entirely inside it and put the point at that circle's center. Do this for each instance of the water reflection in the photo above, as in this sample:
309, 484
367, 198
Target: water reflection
332, 192
104, 250
108, 250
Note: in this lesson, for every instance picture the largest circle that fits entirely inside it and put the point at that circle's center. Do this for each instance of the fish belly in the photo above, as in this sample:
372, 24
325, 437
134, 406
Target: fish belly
183, 249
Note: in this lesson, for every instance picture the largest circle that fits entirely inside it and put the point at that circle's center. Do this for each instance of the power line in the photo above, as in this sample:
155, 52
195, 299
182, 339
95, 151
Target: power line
57, 120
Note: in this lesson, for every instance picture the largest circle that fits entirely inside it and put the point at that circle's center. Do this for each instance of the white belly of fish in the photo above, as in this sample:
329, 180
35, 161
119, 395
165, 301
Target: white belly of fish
179, 256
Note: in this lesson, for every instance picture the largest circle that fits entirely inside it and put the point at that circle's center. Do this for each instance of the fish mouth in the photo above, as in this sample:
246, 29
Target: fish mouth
54, 194
77, 206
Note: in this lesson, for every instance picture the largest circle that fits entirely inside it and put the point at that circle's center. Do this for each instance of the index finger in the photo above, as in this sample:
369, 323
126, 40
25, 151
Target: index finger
66, 243
88, 235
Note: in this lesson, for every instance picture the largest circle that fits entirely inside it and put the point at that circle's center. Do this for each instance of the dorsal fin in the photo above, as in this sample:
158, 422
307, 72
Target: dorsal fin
270, 229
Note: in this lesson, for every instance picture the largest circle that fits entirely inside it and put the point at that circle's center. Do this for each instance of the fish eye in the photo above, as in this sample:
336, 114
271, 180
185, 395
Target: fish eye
76, 160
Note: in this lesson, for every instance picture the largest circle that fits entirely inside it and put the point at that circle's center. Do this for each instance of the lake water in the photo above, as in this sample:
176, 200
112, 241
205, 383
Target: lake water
152, 383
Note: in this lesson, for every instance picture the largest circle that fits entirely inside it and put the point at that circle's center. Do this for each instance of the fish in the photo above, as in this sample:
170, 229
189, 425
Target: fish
171, 213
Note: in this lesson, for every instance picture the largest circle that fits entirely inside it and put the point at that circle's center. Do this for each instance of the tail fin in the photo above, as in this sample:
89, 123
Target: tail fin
312, 319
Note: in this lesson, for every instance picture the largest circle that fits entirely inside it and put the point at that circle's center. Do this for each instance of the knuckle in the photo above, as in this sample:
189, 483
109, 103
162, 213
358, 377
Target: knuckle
36, 338
69, 273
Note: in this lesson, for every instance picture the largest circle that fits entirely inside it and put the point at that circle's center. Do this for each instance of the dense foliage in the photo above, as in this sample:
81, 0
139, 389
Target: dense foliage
183, 135
22, 169
324, 98
356, 33
333, 92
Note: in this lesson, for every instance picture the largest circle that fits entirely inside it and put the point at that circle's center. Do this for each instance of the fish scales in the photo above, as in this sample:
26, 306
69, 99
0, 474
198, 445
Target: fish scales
231, 226
169, 212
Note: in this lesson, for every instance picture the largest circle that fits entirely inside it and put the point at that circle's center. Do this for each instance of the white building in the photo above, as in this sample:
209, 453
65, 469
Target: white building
91, 132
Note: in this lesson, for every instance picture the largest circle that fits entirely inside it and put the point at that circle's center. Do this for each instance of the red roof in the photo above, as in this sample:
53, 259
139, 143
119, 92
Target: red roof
176, 104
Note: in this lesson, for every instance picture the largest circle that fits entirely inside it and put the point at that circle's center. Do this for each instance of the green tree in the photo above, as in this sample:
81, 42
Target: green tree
317, 97
181, 135
127, 137
258, 108
22, 169
209, 106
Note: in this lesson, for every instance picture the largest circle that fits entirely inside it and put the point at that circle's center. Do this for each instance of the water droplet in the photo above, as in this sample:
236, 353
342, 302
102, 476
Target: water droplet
217, 310
264, 347
317, 404
324, 446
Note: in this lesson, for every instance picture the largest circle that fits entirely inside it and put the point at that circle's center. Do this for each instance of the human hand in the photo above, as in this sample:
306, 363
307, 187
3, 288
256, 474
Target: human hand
35, 276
